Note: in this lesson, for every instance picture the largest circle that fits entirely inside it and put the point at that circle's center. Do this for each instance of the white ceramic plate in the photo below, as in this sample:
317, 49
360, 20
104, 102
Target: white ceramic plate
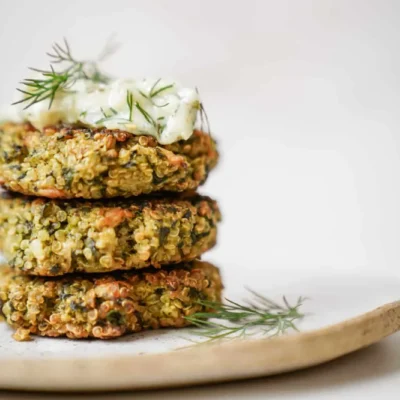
155, 359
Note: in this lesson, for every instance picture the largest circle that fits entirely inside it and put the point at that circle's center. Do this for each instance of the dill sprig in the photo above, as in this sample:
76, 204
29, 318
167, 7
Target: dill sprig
110, 48
204, 118
129, 102
145, 114
51, 81
62, 54
204, 121
37, 90
155, 92
235, 320
106, 116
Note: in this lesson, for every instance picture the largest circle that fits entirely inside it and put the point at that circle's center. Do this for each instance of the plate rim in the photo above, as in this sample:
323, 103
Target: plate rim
204, 363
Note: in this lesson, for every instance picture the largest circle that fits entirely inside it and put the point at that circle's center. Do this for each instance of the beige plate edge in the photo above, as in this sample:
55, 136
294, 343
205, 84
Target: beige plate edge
202, 364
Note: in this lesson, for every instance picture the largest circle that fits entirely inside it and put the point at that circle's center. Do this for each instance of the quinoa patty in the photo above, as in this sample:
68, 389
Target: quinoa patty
106, 306
53, 237
70, 162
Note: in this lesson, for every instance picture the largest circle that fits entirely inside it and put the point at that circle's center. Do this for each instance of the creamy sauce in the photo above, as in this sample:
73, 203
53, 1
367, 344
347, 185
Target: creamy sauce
159, 108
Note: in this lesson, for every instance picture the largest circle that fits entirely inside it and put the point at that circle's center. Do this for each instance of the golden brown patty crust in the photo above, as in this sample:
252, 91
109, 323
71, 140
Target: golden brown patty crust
106, 306
70, 162
53, 237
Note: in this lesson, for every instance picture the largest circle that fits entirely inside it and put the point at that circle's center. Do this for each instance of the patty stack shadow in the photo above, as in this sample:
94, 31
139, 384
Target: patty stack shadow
102, 231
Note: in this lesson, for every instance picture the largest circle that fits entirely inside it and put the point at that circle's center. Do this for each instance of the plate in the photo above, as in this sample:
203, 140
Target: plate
341, 317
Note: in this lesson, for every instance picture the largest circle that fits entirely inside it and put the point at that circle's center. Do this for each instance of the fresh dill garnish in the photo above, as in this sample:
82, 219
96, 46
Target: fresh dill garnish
160, 90
106, 116
203, 116
104, 113
143, 94
154, 86
51, 81
153, 92
61, 54
110, 48
145, 114
131, 105
234, 320
129, 101
43, 88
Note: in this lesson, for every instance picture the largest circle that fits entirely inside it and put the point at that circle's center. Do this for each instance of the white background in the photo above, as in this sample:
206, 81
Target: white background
303, 97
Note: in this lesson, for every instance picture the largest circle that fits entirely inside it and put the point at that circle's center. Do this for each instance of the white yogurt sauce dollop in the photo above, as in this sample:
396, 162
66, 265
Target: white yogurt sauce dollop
160, 108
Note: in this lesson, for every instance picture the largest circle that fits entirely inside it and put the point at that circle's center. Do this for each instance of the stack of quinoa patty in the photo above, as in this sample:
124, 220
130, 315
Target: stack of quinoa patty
102, 230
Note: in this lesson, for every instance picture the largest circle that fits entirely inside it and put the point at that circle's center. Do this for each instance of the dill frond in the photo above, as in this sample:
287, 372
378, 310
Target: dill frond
233, 320
50, 81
